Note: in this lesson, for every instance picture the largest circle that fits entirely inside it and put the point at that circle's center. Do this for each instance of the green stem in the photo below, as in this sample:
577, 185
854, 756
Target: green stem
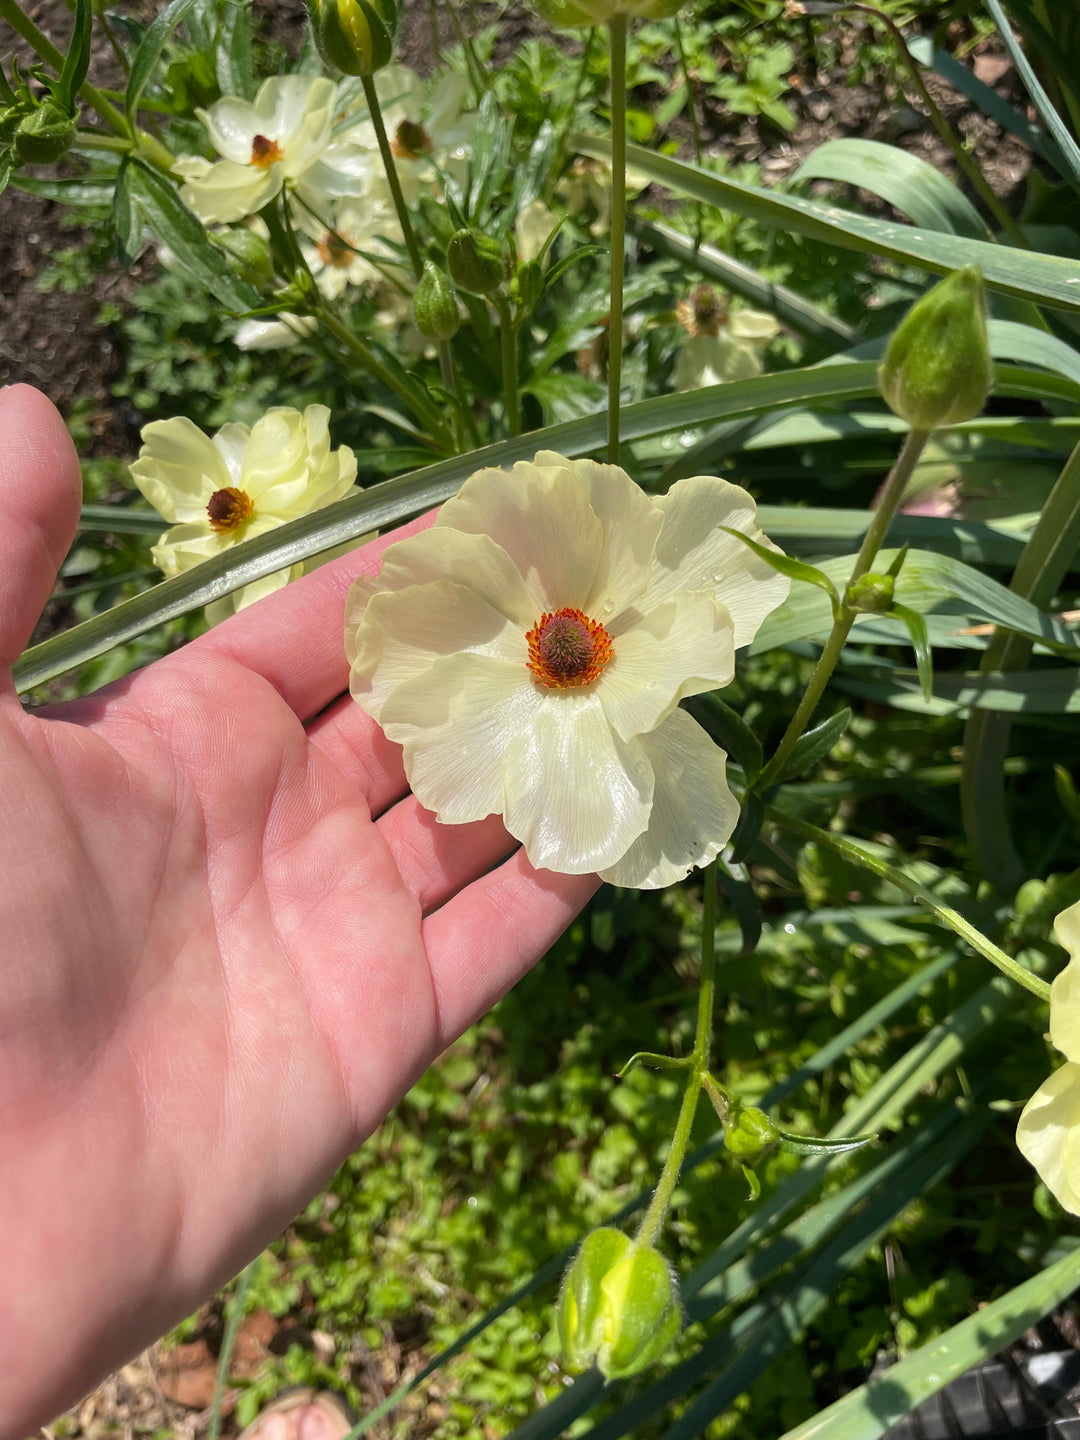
617, 27
429, 413
699, 1061
375, 109
945, 913
508, 340
891, 494
25, 27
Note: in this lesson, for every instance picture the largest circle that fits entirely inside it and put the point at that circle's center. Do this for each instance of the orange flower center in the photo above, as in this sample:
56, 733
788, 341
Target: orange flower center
335, 250
228, 509
264, 152
567, 648
411, 141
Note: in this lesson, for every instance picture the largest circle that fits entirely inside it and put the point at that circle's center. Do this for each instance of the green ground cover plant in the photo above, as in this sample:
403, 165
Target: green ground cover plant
544, 253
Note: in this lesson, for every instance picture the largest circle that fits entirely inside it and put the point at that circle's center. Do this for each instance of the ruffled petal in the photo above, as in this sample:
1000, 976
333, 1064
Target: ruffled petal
232, 125
693, 553
693, 811
681, 648
178, 469
540, 515
474, 561
287, 105
404, 632
229, 191
231, 442
1067, 930
574, 794
456, 722
1048, 1134
186, 545
1065, 1011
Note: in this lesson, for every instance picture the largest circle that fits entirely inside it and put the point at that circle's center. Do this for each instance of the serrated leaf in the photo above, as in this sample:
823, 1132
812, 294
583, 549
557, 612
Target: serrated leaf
814, 745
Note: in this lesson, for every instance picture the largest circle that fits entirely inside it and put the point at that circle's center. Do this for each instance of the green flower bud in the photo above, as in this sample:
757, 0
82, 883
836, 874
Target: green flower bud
618, 1307
476, 262
748, 1131
937, 368
435, 306
249, 253
354, 36
871, 594
571, 14
45, 134
528, 284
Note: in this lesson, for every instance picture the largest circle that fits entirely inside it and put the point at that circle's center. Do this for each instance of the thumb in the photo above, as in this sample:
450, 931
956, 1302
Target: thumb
40, 496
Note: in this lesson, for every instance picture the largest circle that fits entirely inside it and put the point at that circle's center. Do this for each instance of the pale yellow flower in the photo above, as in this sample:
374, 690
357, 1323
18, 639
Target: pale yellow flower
530, 650
239, 484
1048, 1133
721, 347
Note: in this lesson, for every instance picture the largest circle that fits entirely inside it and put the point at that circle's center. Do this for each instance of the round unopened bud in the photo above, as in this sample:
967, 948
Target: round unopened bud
248, 253
572, 14
45, 134
937, 368
476, 262
618, 1307
354, 36
748, 1131
871, 594
435, 306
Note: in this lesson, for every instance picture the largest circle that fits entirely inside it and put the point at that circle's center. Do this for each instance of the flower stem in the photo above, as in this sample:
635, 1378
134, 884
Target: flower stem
508, 339
617, 27
967, 932
892, 493
375, 109
699, 1063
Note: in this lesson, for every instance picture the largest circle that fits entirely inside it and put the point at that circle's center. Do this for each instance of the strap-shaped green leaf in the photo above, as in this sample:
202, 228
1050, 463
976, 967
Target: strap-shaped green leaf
149, 52
815, 745
77, 60
920, 640
730, 731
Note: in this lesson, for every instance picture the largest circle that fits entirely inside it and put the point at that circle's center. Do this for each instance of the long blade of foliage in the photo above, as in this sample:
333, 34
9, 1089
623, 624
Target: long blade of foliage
909, 183
1004, 693
385, 504
1022, 273
149, 52
1070, 151
77, 60
868, 1412
1046, 560
786, 304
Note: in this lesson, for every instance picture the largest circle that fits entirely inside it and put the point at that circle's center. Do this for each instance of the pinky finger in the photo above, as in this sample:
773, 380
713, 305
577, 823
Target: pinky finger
482, 942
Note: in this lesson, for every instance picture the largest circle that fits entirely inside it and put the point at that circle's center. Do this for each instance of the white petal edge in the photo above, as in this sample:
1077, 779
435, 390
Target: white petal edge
1048, 1134
693, 811
178, 469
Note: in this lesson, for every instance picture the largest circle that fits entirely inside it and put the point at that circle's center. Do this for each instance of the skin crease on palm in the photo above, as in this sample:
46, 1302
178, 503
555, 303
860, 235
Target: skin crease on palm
230, 939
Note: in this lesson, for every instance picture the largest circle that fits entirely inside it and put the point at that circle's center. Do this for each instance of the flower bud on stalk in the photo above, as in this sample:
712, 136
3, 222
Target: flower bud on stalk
476, 262
248, 253
871, 594
618, 1307
45, 134
748, 1132
435, 307
937, 368
354, 36
570, 14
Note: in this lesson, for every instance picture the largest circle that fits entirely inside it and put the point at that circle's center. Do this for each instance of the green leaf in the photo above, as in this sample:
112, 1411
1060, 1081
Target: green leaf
1021, 273
127, 217
737, 888
77, 60
67, 192
235, 71
751, 819
909, 183
728, 729
869, 1411
1070, 151
822, 1145
815, 745
1029, 346
920, 640
786, 565
149, 52
172, 222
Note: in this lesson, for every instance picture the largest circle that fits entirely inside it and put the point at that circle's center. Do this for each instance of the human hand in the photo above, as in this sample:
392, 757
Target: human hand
231, 939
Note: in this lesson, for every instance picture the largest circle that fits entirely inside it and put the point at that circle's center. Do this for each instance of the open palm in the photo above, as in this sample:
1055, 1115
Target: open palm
218, 970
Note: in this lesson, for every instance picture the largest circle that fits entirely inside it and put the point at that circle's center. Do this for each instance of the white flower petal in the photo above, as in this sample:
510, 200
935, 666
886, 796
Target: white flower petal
681, 648
1065, 1010
693, 553
286, 105
1048, 1134
219, 610
277, 334
231, 443
404, 632
574, 794
541, 517
693, 811
232, 125
1067, 930
186, 545
472, 560
456, 722
229, 191
178, 469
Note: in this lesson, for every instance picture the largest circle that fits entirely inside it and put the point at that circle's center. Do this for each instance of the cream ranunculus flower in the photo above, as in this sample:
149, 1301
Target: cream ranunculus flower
282, 137
1048, 1133
243, 482
530, 650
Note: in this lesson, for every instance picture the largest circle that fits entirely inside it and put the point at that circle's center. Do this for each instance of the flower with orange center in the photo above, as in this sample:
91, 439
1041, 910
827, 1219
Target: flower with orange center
530, 650
220, 491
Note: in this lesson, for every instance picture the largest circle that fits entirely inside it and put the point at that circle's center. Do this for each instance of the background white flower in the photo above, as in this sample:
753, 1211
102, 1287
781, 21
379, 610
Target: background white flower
1048, 1133
242, 482
530, 650
283, 137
